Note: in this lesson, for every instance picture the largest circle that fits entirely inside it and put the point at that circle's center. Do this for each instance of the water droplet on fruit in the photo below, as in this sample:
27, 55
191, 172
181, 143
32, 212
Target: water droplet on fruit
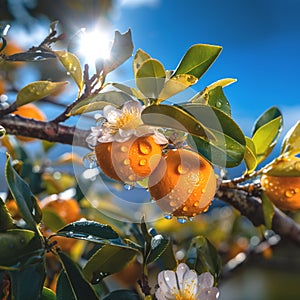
181, 169
145, 147
182, 220
190, 191
124, 149
203, 191
168, 216
289, 193
196, 204
126, 162
185, 208
297, 166
131, 177
173, 203
142, 162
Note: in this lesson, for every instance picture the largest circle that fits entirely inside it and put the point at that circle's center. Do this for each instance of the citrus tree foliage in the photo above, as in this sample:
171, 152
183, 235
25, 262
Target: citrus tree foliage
34, 239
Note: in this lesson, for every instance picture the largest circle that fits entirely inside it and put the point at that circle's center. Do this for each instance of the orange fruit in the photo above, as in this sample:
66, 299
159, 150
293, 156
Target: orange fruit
67, 209
183, 184
284, 192
10, 49
128, 161
30, 111
2, 87
13, 209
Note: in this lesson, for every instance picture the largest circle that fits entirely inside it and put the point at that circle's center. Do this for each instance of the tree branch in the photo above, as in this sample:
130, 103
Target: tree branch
251, 207
48, 131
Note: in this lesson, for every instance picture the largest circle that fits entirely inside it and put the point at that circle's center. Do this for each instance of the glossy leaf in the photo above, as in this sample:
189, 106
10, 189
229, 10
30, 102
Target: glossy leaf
107, 260
139, 57
121, 50
176, 118
268, 210
37, 90
99, 101
250, 156
81, 287
197, 60
203, 257
286, 167
129, 90
122, 295
291, 141
150, 78
14, 244
158, 246
175, 85
6, 221
72, 66
52, 220
89, 230
26, 201
266, 132
222, 83
31, 56
27, 283
217, 98
64, 289
48, 294
228, 147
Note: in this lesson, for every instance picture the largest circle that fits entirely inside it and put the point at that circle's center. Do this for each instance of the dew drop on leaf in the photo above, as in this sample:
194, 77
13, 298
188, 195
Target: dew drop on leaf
182, 220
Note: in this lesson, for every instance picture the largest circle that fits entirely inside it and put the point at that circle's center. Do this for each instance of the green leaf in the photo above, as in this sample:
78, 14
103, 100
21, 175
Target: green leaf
6, 221
266, 132
217, 98
64, 289
122, 295
121, 50
268, 210
285, 167
15, 243
197, 60
107, 260
139, 57
202, 256
222, 83
228, 147
158, 246
129, 90
150, 78
250, 156
291, 141
52, 220
26, 201
31, 56
81, 287
168, 259
176, 118
27, 283
88, 230
99, 101
175, 85
48, 294
72, 66
37, 90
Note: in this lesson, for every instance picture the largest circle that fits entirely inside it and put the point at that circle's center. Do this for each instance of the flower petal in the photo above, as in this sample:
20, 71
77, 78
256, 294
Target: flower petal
205, 280
190, 283
132, 104
111, 114
168, 283
160, 295
209, 294
182, 269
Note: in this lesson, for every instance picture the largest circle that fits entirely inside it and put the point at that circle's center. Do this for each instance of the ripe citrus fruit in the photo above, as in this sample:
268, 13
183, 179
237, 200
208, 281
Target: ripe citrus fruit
67, 209
30, 111
128, 161
2, 87
284, 192
183, 184
12, 48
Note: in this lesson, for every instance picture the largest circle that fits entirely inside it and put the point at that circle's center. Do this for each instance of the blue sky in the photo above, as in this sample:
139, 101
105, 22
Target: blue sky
260, 40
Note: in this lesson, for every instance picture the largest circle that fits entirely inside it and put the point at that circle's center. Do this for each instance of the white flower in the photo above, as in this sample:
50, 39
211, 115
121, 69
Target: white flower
184, 284
122, 124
